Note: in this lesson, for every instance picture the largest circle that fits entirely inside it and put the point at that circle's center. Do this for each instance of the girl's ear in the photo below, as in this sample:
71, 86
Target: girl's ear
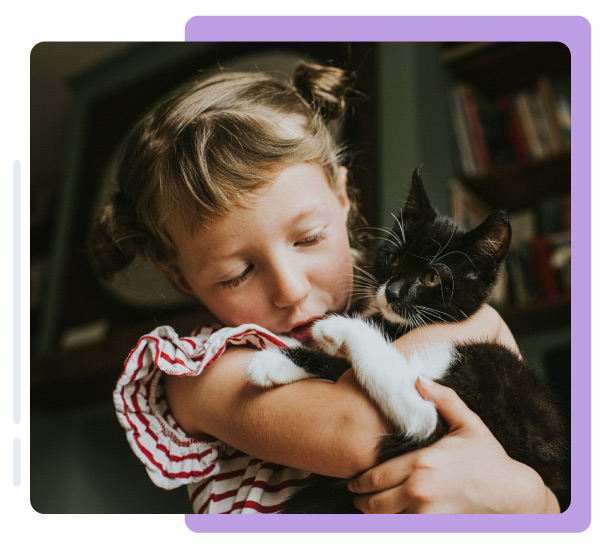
340, 190
175, 276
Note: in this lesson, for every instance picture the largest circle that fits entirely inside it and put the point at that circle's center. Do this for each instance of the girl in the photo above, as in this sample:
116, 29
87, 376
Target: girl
235, 188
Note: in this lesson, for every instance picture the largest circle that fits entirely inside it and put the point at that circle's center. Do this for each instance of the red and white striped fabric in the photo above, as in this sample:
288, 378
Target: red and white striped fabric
220, 479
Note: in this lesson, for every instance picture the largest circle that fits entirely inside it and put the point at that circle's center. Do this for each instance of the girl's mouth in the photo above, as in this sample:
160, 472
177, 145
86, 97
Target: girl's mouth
303, 332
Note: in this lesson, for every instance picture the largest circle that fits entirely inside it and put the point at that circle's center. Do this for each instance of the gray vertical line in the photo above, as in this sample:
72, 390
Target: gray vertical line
17, 462
17, 292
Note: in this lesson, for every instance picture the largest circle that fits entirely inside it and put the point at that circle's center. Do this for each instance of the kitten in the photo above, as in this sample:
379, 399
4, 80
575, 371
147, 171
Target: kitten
428, 269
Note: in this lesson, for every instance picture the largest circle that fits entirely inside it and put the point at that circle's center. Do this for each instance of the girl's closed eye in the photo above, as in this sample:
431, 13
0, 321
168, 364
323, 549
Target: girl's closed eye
313, 239
237, 281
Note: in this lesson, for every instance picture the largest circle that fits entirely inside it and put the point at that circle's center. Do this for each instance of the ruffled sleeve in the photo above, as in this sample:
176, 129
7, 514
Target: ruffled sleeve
171, 457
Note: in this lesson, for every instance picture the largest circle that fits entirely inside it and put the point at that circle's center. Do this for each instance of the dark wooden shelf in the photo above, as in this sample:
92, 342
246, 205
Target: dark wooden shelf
545, 314
520, 184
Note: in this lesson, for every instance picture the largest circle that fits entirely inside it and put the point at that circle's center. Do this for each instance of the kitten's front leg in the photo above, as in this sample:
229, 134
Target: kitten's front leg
387, 376
271, 367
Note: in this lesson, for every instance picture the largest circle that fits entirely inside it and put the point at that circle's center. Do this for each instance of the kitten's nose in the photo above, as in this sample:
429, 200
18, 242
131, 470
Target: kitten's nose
393, 291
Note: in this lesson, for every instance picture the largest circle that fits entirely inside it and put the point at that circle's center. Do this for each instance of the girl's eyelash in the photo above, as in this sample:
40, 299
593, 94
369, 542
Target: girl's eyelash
313, 239
236, 281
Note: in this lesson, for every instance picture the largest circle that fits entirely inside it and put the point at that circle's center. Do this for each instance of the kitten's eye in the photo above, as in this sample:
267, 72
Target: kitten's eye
392, 260
431, 280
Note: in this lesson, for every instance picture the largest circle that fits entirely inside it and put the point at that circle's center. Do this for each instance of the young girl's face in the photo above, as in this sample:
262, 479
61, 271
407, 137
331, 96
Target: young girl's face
282, 263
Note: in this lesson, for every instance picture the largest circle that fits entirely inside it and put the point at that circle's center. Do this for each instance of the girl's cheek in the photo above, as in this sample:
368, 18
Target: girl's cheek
235, 309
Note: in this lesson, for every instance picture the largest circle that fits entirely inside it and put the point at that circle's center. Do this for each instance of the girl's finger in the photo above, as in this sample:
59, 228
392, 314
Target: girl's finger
383, 476
390, 501
450, 406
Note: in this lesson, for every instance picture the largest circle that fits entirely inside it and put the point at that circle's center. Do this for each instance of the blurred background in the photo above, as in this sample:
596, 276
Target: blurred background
489, 124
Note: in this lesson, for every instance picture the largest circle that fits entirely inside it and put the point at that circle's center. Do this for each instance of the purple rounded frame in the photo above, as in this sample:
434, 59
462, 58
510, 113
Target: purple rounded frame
575, 33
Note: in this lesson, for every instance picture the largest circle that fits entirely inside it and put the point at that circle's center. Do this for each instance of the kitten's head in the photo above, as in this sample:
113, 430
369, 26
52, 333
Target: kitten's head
430, 269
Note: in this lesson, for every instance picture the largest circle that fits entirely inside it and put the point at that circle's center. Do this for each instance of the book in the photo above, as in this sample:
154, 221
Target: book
462, 137
525, 117
541, 125
496, 120
558, 137
475, 127
545, 270
515, 135
562, 98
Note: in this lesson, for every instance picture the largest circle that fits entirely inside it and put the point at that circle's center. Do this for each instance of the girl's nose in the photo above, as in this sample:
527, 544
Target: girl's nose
289, 286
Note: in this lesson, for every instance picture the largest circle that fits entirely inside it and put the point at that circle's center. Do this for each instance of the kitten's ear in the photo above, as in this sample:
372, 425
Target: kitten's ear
491, 240
417, 204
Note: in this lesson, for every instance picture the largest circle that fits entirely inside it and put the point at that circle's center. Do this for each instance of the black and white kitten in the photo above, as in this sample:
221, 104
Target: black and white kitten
428, 269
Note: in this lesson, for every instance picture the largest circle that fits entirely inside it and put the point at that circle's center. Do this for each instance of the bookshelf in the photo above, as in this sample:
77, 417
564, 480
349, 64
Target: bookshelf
509, 107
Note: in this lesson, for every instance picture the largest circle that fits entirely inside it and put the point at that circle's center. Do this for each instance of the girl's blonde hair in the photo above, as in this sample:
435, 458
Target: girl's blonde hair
210, 146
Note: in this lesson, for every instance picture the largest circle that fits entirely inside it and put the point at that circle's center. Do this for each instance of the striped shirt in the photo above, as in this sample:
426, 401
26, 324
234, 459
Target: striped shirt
220, 479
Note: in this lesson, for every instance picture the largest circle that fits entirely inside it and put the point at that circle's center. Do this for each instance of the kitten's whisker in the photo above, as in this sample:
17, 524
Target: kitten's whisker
447, 243
422, 257
364, 285
388, 231
365, 272
391, 242
451, 277
400, 225
437, 313
393, 235
442, 284
428, 329
459, 252
424, 326
364, 278
439, 248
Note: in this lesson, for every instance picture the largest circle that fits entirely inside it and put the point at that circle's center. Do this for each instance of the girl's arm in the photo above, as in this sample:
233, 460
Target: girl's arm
315, 425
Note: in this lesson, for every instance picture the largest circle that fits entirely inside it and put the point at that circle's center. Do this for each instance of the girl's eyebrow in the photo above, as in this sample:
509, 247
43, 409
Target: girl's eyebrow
309, 211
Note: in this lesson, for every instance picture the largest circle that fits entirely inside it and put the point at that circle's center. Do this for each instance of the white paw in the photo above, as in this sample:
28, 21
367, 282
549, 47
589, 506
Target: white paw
420, 422
331, 334
268, 368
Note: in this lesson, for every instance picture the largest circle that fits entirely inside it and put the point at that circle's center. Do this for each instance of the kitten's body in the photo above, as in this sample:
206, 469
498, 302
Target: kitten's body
428, 270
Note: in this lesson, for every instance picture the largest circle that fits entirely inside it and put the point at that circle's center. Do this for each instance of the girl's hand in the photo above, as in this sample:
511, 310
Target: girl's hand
467, 471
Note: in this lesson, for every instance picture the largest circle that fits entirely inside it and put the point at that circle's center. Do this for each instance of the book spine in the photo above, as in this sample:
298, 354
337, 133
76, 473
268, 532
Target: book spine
559, 141
475, 128
525, 118
461, 133
545, 273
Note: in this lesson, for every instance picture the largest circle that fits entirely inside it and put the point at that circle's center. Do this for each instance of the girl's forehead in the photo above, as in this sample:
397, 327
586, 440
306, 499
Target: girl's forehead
296, 194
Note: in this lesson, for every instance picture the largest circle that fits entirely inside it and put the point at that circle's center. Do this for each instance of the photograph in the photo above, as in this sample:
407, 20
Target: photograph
301, 278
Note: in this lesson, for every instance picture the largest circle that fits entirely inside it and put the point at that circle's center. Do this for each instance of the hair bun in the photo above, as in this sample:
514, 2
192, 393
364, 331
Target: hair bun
324, 87
112, 241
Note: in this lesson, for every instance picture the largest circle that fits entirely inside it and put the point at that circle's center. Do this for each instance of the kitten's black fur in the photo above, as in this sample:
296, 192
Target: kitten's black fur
425, 247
